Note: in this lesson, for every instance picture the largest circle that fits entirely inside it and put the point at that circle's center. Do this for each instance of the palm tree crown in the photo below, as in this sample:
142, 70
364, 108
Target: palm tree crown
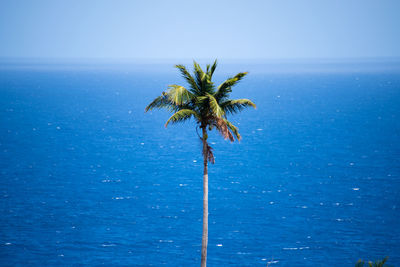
207, 104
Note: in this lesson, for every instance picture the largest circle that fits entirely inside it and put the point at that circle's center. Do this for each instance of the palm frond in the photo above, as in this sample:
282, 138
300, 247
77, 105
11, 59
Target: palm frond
181, 115
199, 74
234, 106
215, 107
189, 78
212, 69
179, 95
160, 102
203, 80
225, 88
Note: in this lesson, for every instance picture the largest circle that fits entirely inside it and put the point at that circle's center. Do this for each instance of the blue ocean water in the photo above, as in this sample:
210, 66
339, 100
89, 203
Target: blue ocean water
88, 178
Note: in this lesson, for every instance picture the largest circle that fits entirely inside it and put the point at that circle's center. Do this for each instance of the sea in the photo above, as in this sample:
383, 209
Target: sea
87, 178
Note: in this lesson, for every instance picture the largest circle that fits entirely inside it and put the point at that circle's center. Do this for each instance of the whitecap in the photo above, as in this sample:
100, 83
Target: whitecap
219, 245
118, 198
356, 188
108, 245
110, 181
299, 248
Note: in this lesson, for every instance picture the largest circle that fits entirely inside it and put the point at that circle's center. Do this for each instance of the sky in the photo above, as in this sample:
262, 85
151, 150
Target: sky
169, 29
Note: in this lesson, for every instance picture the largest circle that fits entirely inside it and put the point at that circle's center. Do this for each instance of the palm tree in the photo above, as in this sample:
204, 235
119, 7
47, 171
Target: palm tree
209, 106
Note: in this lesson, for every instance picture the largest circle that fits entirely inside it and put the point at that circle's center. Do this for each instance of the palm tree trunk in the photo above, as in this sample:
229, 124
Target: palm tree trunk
204, 241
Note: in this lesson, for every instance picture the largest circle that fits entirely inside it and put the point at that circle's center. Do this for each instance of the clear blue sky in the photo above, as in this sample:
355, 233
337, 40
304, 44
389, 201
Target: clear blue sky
200, 29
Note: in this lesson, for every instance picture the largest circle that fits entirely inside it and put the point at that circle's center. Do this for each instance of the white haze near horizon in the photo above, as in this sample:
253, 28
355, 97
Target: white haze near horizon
225, 66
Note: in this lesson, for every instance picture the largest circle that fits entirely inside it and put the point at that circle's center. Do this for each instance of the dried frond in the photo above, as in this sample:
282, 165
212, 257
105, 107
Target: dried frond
233, 129
209, 154
222, 128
